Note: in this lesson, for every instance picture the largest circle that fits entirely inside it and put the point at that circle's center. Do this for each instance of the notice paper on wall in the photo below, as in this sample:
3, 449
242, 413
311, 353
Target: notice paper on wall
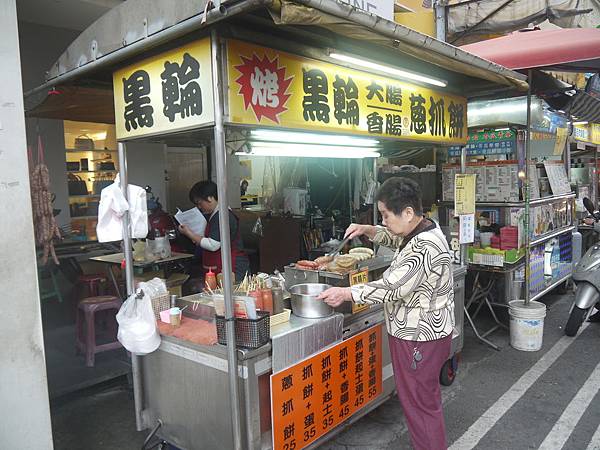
193, 218
466, 228
464, 194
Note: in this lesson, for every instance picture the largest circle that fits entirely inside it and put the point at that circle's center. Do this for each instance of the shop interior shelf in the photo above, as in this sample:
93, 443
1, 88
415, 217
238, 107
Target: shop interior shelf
91, 171
547, 236
96, 150
550, 287
534, 202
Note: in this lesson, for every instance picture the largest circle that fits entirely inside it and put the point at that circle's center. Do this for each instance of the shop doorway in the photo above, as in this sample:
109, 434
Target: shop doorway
184, 167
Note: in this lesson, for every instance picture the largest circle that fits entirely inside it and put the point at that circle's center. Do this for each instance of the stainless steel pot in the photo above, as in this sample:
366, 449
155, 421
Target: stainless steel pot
305, 302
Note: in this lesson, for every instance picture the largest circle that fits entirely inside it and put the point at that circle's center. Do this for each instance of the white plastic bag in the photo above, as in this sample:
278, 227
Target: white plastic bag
137, 324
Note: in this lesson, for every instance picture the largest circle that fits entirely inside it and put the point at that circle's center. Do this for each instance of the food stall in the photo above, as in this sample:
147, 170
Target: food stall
237, 80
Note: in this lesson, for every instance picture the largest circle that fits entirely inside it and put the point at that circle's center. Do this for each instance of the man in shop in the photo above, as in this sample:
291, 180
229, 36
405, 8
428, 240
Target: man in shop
417, 291
204, 196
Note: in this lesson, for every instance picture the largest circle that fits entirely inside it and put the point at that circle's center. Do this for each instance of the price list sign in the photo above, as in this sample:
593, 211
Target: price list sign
312, 397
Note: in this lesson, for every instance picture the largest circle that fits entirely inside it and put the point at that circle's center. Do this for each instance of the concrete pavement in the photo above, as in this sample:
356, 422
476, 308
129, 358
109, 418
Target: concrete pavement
500, 400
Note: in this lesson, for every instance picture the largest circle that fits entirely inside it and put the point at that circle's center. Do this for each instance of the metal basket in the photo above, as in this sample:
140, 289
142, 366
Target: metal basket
160, 303
249, 333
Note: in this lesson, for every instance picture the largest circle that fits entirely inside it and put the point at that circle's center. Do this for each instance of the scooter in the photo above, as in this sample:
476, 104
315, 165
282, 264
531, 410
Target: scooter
587, 278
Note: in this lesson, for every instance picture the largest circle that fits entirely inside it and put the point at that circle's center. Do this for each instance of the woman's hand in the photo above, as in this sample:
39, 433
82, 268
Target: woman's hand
335, 296
356, 230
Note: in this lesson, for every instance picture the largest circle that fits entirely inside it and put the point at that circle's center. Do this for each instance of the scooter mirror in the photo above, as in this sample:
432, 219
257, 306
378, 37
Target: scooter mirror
588, 205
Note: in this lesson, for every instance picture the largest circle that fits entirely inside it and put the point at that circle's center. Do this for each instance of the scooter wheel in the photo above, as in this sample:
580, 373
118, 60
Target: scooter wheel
575, 320
448, 373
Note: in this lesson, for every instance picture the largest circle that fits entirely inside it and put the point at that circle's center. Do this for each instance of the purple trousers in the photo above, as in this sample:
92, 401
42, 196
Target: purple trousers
419, 390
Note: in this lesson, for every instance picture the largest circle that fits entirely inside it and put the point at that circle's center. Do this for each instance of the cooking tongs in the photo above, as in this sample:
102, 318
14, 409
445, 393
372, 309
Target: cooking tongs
338, 248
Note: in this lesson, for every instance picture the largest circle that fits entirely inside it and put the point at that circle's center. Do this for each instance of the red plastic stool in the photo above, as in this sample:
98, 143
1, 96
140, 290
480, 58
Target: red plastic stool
95, 284
86, 335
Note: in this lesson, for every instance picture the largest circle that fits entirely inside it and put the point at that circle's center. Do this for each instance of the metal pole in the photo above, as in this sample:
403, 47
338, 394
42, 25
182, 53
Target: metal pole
374, 202
221, 161
526, 188
350, 193
440, 21
463, 169
129, 284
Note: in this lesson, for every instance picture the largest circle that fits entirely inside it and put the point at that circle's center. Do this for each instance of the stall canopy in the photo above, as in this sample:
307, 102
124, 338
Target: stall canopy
143, 26
572, 50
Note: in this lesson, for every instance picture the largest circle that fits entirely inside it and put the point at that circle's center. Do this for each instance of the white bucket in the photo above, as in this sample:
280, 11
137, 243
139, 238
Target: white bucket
526, 325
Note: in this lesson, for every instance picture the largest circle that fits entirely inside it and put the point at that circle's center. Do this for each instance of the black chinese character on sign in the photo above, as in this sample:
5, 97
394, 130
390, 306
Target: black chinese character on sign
307, 391
393, 124
316, 88
372, 346
372, 359
374, 89
457, 120
437, 119
345, 104
375, 123
359, 388
393, 95
373, 338
288, 432
287, 407
344, 398
286, 382
326, 375
327, 409
138, 112
358, 356
343, 365
359, 378
417, 114
327, 396
344, 387
343, 353
358, 345
372, 381
372, 373
358, 367
307, 372
326, 362
180, 90
309, 420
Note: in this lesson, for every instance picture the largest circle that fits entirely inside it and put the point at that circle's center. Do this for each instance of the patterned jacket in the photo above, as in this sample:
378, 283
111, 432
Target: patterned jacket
417, 289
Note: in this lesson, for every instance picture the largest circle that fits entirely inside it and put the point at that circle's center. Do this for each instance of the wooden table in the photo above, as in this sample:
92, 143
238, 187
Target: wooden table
116, 259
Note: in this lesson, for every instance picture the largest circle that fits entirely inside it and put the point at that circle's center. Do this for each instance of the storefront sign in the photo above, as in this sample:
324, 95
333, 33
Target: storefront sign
165, 93
381, 8
493, 142
272, 88
314, 396
561, 139
581, 133
359, 277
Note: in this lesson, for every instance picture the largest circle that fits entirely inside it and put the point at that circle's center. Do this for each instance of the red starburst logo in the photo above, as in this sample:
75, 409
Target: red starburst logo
263, 86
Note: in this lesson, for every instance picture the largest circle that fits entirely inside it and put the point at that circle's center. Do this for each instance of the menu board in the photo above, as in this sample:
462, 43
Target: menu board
359, 277
314, 396
464, 194
495, 181
557, 176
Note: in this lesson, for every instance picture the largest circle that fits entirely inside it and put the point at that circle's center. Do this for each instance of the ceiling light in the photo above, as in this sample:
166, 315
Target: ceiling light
393, 71
308, 151
311, 138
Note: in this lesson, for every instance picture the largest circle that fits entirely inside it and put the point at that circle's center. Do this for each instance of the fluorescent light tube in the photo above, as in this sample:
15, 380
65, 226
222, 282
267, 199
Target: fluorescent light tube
311, 138
387, 69
585, 122
310, 151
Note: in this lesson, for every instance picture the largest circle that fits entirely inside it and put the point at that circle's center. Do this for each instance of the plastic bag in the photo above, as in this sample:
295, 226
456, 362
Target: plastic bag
137, 325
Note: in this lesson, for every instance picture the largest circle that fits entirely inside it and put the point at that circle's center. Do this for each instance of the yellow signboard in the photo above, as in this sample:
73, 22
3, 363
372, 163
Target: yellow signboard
168, 92
561, 139
587, 133
464, 194
359, 277
276, 89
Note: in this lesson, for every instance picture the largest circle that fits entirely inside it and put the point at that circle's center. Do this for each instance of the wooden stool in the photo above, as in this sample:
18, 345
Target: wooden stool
86, 340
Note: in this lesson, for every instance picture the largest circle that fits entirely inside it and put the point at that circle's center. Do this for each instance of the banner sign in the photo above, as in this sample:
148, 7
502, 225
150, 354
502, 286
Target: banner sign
277, 89
168, 92
314, 396
488, 143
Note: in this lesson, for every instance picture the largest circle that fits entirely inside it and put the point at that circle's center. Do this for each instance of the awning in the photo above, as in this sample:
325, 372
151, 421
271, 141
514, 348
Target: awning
569, 50
585, 107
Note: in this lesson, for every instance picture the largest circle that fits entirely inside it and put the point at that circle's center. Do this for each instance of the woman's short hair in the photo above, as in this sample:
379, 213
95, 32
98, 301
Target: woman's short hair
398, 193
202, 190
